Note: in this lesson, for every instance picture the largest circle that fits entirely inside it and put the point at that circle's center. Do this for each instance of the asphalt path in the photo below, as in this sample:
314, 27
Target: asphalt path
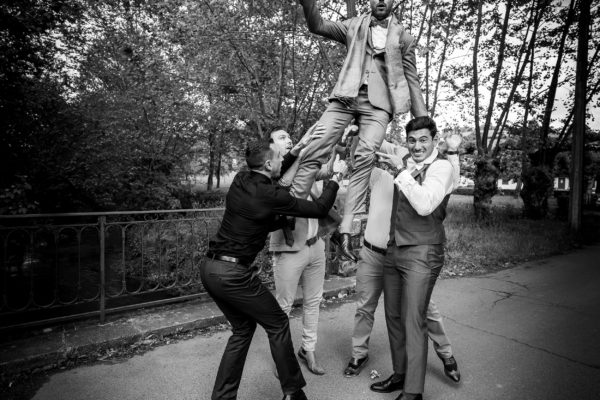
531, 332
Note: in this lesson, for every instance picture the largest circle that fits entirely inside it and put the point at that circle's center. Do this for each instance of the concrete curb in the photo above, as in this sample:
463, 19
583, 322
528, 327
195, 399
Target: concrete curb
55, 348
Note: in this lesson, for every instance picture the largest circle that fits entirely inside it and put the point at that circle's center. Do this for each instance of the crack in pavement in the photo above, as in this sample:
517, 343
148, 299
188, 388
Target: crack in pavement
508, 295
583, 363
512, 282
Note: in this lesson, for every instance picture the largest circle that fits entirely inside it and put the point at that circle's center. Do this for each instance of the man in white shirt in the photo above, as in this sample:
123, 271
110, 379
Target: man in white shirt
369, 274
415, 256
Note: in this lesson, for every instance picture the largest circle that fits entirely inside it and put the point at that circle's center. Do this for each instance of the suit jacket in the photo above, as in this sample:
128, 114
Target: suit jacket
389, 81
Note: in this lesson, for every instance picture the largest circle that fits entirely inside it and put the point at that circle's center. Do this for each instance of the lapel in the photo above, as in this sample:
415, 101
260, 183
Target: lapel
395, 28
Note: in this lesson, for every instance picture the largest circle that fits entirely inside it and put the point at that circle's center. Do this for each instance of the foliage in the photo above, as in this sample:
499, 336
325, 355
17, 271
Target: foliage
115, 104
537, 187
501, 241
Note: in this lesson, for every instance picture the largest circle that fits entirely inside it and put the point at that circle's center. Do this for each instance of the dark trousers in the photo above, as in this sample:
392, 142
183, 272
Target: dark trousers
409, 275
245, 302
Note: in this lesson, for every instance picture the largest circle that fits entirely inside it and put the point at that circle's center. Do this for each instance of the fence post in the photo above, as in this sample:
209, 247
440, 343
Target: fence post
102, 231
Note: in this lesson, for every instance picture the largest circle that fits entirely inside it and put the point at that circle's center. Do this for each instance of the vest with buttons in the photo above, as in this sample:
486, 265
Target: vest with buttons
410, 228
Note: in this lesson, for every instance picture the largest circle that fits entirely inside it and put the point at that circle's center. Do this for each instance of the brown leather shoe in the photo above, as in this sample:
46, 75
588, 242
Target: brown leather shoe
355, 366
298, 395
311, 362
391, 384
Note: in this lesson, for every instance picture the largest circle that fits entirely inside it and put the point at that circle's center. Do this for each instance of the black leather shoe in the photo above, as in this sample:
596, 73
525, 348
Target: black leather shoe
451, 368
298, 395
391, 384
344, 244
355, 366
409, 396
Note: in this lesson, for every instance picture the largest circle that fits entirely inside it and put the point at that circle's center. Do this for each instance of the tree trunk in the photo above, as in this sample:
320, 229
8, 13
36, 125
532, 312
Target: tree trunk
497, 74
487, 172
428, 59
351, 8
443, 57
480, 146
575, 208
211, 161
537, 188
219, 170
554, 82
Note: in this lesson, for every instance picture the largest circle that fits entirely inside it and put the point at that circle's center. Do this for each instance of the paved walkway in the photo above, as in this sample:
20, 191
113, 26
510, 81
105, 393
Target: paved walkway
526, 333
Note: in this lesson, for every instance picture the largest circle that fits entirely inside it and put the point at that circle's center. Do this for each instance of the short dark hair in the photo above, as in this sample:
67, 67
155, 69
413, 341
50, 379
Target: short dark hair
257, 153
421, 123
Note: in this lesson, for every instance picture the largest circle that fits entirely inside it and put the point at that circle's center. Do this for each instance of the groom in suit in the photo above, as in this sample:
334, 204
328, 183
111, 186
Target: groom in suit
378, 80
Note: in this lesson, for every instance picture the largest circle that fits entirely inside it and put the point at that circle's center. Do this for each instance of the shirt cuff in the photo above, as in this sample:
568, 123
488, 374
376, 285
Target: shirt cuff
404, 179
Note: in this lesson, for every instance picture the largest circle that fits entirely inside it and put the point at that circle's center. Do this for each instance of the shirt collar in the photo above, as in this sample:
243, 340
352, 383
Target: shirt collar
411, 162
260, 176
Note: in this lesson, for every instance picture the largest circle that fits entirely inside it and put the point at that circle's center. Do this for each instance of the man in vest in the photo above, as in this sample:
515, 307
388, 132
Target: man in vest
369, 272
415, 256
378, 81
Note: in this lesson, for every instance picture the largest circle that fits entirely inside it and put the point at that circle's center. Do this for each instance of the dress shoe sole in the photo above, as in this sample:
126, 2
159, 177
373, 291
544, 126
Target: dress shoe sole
386, 390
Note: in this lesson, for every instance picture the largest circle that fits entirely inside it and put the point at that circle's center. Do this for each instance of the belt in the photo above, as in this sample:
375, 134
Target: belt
374, 248
225, 258
312, 241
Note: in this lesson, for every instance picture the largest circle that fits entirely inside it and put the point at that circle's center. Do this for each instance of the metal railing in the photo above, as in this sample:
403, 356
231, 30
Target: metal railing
60, 267
57, 267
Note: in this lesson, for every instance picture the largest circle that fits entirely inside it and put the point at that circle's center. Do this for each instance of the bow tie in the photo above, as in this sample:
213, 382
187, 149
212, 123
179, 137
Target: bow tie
376, 22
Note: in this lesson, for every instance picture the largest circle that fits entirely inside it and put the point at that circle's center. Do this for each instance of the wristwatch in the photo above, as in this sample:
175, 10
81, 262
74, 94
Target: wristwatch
452, 152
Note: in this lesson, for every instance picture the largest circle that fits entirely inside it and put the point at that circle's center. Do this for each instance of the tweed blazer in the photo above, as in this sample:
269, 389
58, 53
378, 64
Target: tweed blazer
386, 92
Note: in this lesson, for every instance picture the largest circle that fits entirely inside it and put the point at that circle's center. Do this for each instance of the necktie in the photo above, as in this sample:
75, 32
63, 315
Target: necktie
376, 22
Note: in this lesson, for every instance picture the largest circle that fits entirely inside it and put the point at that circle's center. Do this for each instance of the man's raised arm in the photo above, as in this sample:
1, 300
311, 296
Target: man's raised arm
316, 24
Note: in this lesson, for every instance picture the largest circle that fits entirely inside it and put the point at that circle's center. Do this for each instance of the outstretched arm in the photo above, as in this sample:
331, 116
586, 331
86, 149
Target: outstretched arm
316, 24
283, 203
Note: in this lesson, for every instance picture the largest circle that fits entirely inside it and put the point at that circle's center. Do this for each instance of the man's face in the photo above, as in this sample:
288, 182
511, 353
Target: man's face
274, 163
282, 140
381, 9
420, 144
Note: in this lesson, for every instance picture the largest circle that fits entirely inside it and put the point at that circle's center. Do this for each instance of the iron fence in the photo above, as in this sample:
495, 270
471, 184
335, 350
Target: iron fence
56, 267
60, 267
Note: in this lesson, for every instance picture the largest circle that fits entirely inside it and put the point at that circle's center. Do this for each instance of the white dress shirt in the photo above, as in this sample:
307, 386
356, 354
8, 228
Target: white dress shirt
379, 37
438, 182
382, 192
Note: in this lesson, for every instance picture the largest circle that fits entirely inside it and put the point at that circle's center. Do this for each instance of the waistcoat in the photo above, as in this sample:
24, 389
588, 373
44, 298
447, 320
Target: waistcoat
410, 228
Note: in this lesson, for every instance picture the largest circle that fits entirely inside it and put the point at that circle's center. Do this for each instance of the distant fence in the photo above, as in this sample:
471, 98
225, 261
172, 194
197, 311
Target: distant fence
60, 267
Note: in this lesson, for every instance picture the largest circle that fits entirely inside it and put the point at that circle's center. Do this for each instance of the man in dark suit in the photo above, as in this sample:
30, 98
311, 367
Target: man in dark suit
414, 256
252, 209
378, 80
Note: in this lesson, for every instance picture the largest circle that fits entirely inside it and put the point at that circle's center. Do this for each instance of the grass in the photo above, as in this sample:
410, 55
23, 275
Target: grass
475, 247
